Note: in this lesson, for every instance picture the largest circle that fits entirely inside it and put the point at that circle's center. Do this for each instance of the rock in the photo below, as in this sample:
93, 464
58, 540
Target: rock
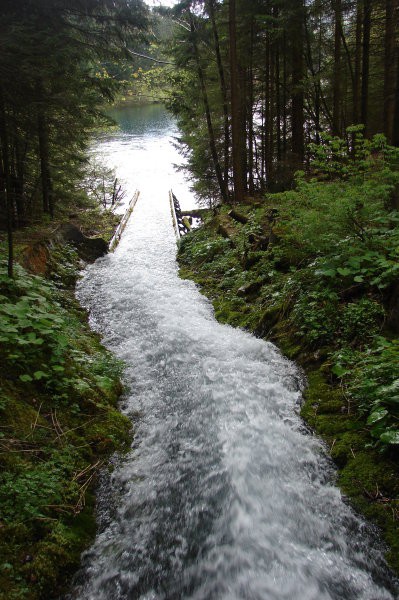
36, 258
250, 288
89, 249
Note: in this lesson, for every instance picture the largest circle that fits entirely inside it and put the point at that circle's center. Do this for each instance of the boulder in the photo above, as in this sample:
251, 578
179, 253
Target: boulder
36, 258
89, 249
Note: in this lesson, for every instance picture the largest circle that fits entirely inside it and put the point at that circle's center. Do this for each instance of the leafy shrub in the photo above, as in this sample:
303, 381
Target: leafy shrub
372, 380
37, 344
32, 494
336, 157
360, 321
315, 315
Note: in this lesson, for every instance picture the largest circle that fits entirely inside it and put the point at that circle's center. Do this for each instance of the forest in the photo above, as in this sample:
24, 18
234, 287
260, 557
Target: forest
288, 120
268, 80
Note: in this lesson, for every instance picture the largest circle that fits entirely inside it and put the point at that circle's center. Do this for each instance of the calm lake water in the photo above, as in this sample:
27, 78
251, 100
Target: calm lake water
224, 494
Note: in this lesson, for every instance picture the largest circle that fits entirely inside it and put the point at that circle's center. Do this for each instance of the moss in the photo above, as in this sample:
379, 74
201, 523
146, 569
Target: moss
369, 479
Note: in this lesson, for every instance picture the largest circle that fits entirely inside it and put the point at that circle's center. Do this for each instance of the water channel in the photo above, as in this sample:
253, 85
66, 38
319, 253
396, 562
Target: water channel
224, 495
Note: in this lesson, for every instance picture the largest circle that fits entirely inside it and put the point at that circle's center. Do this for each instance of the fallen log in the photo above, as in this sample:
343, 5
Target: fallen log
237, 216
196, 213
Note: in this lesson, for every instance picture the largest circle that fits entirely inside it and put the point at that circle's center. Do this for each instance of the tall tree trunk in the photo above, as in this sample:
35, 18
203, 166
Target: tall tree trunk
367, 9
263, 136
5, 151
223, 89
337, 84
268, 112
237, 117
391, 19
20, 157
285, 84
211, 132
315, 75
47, 188
395, 134
272, 94
358, 63
251, 135
297, 94
278, 103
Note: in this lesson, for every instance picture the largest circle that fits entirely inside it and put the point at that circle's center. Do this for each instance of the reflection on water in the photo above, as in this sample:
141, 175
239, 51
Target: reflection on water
223, 496
145, 120
143, 152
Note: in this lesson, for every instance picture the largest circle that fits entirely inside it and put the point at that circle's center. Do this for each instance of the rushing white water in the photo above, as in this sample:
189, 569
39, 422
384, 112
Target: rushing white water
224, 494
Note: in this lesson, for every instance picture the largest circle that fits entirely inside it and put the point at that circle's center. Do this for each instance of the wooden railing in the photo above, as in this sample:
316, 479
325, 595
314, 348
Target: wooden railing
119, 230
180, 223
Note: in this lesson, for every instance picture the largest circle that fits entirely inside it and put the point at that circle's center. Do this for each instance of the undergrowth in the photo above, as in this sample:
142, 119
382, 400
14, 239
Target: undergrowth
59, 422
316, 270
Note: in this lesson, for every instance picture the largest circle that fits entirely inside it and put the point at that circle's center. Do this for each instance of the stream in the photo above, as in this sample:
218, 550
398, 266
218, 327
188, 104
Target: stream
224, 494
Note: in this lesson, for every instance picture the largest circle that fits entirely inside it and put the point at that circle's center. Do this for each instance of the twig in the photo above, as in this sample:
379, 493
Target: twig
78, 427
33, 425
86, 470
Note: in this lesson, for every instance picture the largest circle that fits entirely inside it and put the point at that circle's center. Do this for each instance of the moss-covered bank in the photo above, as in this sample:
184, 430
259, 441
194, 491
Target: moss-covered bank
314, 270
59, 419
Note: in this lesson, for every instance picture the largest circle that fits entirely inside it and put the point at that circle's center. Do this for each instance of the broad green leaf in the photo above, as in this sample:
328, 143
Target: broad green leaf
377, 415
326, 272
344, 271
339, 370
39, 375
25, 378
390, 437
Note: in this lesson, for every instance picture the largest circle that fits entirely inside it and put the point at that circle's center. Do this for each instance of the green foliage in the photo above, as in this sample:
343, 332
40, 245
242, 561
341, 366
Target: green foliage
324, 281
31, 494
335, 157
315, 314
64, 266
58, 390
37, 343
372, 379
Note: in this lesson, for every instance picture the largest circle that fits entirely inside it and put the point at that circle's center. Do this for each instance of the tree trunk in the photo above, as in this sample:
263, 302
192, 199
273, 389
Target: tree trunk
391, 9
278, 103
47, 189
268, 119
7, 184
395, 135
237, 117
297, 95
251, 136
211, 132
20, 158
285, 77
367, 9
358, 63
223, 90
337, 86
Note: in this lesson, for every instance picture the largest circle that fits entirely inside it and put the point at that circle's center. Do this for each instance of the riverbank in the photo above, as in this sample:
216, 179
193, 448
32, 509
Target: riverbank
59, 417
324, 290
